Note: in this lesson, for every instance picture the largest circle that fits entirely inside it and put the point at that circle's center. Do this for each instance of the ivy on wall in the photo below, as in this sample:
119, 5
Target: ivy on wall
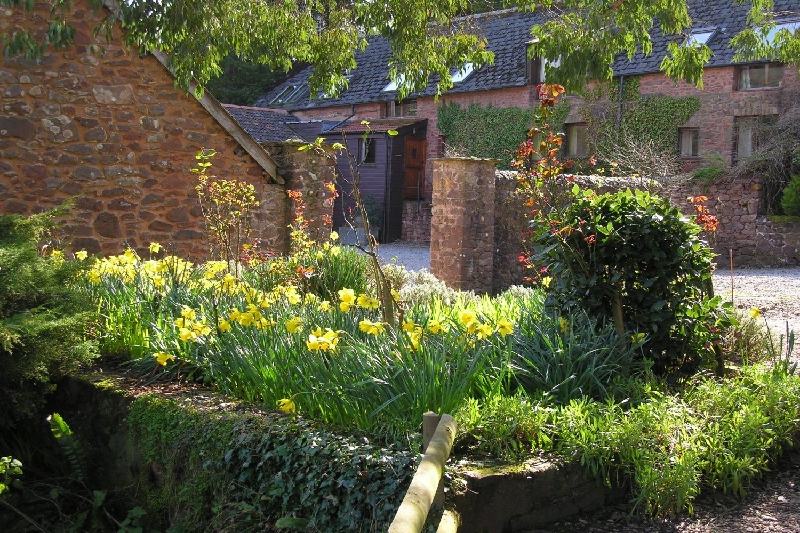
489, 132
655, 118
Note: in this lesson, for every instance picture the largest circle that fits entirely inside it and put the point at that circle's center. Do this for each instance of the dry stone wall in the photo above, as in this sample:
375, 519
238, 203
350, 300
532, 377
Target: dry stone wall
109, 129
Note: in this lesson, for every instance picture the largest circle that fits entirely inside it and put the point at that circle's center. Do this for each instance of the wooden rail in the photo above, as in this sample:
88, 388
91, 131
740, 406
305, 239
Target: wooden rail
426, 488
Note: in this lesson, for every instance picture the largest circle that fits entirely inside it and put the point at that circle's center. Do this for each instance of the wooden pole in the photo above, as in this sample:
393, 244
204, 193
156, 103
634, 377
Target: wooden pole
411, 515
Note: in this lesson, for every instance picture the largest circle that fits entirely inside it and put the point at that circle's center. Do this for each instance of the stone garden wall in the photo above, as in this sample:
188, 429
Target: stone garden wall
478, 224
109, 129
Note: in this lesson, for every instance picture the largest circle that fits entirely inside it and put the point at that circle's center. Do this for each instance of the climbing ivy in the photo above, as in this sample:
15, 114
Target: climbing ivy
241, 470
657, 118
490, 132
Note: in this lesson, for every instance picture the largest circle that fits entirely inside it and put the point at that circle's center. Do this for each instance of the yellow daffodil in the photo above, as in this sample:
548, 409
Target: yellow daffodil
310, 298
483, 330
181, 322
409, 326
294, 298
325, 306
264, 323
294, 324
81, 255
287, 406
435, 327
370, 327
159, 281
334, 236
187, 312
344, 307
467, 317
224, 325
505, 327
163, 357
347, 296
637, 339
367, 302
93, 276
187, 335
245, 319
234, 313
755, 312
335, 251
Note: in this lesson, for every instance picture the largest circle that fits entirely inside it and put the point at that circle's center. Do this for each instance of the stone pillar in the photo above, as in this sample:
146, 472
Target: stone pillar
462, 226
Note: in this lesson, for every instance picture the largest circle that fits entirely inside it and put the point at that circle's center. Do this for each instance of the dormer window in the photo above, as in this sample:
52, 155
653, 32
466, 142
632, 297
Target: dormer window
463, 73
393, 85
792, 26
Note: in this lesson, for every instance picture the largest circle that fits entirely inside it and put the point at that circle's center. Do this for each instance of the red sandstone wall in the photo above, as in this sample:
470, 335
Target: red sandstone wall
110, 129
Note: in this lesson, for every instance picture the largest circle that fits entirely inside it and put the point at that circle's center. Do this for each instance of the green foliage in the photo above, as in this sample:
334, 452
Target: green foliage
10, 468
246, 469
656, 118
719, 434
241, 82
227, 207
44, 320
486, 132
661, 283
571, 358
715, 166
70, 445
790, 201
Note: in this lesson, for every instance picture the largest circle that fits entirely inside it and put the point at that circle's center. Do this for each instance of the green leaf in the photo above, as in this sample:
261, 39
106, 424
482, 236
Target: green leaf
300, 524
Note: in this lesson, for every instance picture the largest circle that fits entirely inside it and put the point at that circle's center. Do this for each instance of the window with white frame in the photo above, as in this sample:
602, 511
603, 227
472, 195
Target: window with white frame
536, 69
689, 142
699, 36
763, 76
577, 139
748, 132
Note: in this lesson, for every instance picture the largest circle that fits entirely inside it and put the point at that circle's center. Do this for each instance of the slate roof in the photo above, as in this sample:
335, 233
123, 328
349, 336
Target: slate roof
507, 33
264, 125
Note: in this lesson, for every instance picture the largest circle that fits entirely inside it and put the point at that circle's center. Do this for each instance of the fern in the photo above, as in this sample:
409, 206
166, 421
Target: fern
70, 445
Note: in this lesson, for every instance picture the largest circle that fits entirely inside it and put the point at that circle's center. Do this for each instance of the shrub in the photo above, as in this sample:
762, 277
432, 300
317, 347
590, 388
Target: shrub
790, 201
634, 258
44, 320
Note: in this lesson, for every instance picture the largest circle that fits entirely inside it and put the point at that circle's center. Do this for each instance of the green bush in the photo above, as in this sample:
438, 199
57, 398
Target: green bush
790, 201
636, 255
44, 320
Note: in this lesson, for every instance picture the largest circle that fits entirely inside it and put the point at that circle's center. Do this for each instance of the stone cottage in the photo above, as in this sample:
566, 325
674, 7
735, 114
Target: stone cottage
105, 125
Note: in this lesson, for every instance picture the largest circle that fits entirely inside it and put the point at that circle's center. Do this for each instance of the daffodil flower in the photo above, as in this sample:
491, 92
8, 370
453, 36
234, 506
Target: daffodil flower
334, 235
224, 326
505, 327
163, 357
755, 312
294, 324
287, 406
467, 317
81, 255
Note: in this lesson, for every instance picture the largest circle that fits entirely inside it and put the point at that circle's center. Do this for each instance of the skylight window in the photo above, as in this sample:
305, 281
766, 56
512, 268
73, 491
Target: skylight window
393, 85
284, 95
792, 26
699, 37
463, 73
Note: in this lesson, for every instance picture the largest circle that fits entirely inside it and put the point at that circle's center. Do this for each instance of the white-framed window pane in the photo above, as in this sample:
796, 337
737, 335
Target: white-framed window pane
689, 142
366, 150
744, 141
577, 140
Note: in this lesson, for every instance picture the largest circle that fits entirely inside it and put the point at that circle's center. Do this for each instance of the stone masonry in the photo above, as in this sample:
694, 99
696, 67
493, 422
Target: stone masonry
107, 127
462, 228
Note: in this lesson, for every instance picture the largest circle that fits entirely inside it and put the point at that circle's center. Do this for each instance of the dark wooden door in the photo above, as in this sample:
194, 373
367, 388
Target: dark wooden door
414, 169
